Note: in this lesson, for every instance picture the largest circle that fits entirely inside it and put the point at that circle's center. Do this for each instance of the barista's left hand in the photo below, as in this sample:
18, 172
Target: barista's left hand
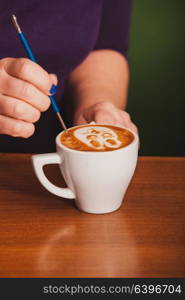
105, 113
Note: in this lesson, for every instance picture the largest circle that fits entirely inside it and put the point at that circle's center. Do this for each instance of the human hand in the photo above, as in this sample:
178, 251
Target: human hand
24, 90
105, 113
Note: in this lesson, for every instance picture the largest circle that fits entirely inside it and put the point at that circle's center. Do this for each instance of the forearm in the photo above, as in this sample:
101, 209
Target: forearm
103, 76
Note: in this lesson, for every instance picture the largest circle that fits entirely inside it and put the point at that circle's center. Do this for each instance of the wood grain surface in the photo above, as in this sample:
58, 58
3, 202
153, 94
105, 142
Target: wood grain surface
42, 235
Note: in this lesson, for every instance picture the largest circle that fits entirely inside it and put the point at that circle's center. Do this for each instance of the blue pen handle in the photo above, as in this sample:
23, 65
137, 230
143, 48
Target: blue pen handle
27, 47
32, 57
55, 106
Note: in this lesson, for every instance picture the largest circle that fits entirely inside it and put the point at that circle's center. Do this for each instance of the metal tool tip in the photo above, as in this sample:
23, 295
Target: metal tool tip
61, 121
15, 23
14, 19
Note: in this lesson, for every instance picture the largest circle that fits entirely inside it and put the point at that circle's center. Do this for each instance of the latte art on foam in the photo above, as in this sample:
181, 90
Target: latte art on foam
97, 137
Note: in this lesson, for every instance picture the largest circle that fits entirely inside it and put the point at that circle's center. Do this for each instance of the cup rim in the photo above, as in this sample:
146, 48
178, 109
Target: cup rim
60, 145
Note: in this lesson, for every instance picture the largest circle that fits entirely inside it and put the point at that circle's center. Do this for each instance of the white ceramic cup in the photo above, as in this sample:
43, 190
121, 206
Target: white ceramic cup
96, 180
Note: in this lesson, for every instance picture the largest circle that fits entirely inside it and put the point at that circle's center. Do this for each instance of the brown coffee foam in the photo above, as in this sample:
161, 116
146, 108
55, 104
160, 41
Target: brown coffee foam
69, 140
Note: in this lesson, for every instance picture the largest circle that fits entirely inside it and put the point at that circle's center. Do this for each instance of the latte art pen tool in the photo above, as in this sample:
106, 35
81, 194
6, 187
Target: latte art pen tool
31, 57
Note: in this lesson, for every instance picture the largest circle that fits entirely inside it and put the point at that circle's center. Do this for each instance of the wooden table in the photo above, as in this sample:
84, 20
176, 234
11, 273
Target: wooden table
45, 236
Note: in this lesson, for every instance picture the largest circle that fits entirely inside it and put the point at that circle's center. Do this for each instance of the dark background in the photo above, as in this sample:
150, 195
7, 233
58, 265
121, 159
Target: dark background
157, 66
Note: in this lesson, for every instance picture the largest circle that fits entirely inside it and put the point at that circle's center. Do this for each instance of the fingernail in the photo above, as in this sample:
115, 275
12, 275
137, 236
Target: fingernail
53, 89
54, 75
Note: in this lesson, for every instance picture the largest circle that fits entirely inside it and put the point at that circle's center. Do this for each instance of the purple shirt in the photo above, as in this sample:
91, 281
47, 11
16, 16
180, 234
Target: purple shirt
61, 34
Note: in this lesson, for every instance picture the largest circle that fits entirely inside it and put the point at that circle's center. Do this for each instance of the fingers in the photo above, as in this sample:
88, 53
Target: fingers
134, 128
107, 113
79, 120
105, 118
24, 90
16, 128
127, 122
16, 88
18, 109
31, 72
54, 79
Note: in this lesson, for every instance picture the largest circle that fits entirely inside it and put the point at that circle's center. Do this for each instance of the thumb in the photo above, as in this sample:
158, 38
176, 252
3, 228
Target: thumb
54, 78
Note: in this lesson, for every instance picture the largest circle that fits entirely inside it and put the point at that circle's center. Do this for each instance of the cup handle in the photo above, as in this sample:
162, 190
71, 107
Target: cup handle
38, 162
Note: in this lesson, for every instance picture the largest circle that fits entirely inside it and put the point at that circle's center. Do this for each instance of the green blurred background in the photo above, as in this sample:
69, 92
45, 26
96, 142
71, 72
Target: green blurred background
157, 65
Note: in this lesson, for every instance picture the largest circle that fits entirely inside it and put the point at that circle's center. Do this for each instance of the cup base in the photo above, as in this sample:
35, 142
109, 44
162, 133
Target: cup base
99, 211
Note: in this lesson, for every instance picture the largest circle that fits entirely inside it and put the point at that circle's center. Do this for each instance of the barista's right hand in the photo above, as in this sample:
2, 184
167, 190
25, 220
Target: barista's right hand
24, 90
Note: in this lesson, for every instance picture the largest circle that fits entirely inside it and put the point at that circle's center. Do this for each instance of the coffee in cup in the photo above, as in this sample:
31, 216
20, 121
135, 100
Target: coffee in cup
96, 138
